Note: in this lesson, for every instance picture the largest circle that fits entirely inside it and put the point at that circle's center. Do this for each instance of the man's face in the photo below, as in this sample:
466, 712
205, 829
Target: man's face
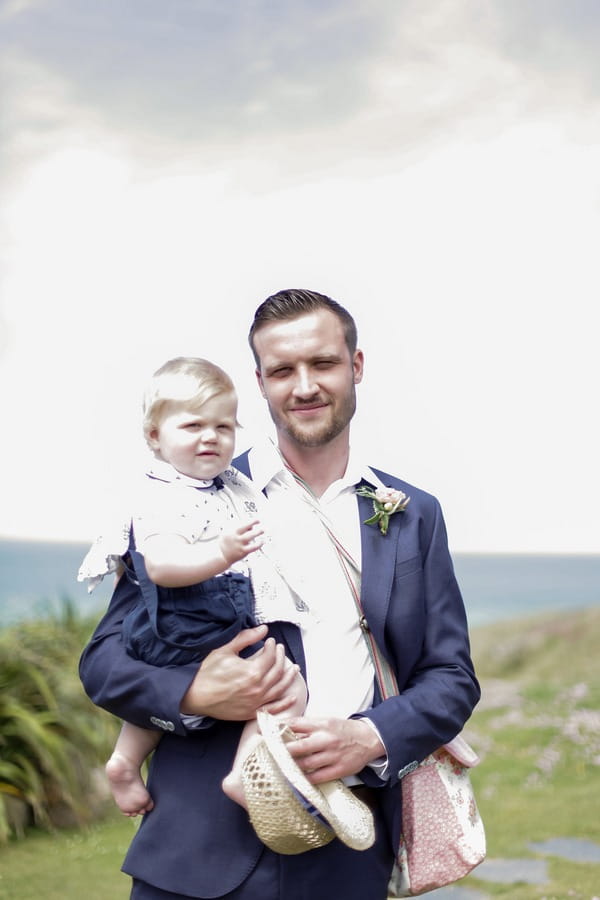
308, 376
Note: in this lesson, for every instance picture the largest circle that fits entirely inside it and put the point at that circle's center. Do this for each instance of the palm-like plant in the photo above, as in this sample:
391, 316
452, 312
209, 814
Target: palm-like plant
51, 736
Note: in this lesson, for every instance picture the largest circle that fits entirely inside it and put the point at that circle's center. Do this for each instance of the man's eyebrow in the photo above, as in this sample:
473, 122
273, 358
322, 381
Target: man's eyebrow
289, 363
279, 364
326, 357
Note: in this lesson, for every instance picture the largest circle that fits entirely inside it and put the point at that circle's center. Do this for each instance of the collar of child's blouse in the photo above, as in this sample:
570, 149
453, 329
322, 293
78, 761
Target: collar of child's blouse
164, 471
266, 464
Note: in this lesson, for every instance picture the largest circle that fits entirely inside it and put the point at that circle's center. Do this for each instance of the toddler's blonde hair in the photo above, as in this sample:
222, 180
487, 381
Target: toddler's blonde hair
185, 379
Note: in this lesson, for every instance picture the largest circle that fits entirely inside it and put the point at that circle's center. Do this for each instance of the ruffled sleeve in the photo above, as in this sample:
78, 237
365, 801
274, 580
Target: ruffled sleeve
104, 556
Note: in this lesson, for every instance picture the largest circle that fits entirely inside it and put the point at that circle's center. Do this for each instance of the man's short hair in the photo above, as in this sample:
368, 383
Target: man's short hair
291, 304
185, 379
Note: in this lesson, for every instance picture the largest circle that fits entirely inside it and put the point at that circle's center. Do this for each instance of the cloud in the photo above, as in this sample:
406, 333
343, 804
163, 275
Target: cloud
278, 92
556, 38
204, 71
166, 166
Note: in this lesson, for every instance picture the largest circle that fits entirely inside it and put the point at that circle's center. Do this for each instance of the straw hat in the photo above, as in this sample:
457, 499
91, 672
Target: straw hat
291, 815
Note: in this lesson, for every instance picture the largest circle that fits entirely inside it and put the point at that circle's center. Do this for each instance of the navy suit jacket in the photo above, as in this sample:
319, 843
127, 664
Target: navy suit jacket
198, 842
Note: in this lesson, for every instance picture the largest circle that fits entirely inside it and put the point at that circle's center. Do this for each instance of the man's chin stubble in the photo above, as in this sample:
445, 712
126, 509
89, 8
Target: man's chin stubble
317, 438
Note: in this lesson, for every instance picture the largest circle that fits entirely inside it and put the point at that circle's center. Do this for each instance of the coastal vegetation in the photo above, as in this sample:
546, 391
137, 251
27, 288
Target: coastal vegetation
537, 731
52, 738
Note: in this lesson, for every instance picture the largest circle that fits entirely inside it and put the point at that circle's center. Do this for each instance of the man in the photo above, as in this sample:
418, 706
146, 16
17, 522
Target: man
196, 842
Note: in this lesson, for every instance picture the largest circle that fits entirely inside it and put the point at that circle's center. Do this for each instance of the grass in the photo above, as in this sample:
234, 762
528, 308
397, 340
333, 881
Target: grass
537, 730
68, 865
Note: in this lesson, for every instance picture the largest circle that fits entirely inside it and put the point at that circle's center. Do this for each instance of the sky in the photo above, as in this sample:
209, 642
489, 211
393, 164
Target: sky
431, 164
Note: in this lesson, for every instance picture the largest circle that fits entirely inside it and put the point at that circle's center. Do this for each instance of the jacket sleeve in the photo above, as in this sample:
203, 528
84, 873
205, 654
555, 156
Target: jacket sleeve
424, 636
145, 695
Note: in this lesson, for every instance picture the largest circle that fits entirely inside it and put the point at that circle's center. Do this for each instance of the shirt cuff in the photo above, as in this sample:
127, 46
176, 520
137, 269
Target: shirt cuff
379, 765
192, 723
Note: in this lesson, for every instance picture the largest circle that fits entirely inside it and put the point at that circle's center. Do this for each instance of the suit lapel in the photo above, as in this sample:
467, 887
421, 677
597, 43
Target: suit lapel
377, 567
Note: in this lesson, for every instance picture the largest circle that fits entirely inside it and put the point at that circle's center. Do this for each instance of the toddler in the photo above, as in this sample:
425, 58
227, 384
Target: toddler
198, 549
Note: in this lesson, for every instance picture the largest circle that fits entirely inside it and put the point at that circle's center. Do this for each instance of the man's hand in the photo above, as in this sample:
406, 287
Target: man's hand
333, 748
226, 686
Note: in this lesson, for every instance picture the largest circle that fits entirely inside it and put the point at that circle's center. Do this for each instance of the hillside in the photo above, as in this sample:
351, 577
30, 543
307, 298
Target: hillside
537, 730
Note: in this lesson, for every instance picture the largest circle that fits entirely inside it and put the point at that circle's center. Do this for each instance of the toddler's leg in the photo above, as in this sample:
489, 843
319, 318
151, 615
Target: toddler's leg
123, 769
232, 783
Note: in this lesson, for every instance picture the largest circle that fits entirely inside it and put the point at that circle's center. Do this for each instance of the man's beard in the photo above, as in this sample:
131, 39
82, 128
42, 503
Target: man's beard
322, 433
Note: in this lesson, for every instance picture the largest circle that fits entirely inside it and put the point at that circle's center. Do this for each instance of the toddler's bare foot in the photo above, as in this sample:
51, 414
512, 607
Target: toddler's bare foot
127, 786
232, 786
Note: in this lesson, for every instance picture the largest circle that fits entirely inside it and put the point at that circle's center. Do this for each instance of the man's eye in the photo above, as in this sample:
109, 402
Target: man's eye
281, 373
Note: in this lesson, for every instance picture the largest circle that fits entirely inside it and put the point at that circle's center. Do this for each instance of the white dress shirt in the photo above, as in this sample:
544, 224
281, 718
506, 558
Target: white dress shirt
340, 673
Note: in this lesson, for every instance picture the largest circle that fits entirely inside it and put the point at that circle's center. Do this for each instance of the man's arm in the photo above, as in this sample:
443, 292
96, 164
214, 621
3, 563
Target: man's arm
126, 687
426, 629
426, 634
226, 686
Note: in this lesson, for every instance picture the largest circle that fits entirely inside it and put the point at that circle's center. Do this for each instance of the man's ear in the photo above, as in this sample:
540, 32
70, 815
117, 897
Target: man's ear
358, 364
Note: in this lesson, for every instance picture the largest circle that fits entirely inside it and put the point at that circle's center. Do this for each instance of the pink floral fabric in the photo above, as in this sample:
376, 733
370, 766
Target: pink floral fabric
443, 836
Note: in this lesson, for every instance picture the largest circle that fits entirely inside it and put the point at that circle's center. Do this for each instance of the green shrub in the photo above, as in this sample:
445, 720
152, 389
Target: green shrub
52, 738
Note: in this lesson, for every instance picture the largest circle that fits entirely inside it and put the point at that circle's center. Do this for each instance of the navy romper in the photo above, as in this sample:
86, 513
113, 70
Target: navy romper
176, 626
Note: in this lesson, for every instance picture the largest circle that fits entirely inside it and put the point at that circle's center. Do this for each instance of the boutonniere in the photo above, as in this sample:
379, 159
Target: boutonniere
386, 502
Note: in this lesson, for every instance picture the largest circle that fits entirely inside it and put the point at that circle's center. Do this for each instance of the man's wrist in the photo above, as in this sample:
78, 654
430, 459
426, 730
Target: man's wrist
192, 702
195, 723
376, 746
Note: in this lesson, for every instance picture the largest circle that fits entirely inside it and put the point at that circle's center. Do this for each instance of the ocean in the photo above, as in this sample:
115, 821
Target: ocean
36, 576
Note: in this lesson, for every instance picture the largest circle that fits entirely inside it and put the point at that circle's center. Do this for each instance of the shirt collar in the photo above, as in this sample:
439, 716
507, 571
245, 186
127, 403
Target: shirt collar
164, 471
266, 464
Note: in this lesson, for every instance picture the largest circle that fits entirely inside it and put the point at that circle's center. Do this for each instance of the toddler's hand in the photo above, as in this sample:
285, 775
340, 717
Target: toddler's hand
237, 544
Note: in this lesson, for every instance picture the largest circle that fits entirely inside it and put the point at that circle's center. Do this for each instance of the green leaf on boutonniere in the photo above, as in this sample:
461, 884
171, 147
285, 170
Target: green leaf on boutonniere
386, 502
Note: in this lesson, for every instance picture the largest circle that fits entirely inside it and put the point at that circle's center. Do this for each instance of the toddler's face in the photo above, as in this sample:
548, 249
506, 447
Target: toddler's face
198, 441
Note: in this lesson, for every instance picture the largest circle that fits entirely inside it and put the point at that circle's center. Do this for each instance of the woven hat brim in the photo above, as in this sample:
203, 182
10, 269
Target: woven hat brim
349, 817
279, 819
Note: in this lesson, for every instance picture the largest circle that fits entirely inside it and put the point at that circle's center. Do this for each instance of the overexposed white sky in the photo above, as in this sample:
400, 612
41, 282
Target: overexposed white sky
431, 164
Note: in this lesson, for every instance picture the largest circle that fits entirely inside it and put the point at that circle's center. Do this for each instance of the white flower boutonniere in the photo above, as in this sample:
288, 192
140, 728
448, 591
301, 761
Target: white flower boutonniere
386, 502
